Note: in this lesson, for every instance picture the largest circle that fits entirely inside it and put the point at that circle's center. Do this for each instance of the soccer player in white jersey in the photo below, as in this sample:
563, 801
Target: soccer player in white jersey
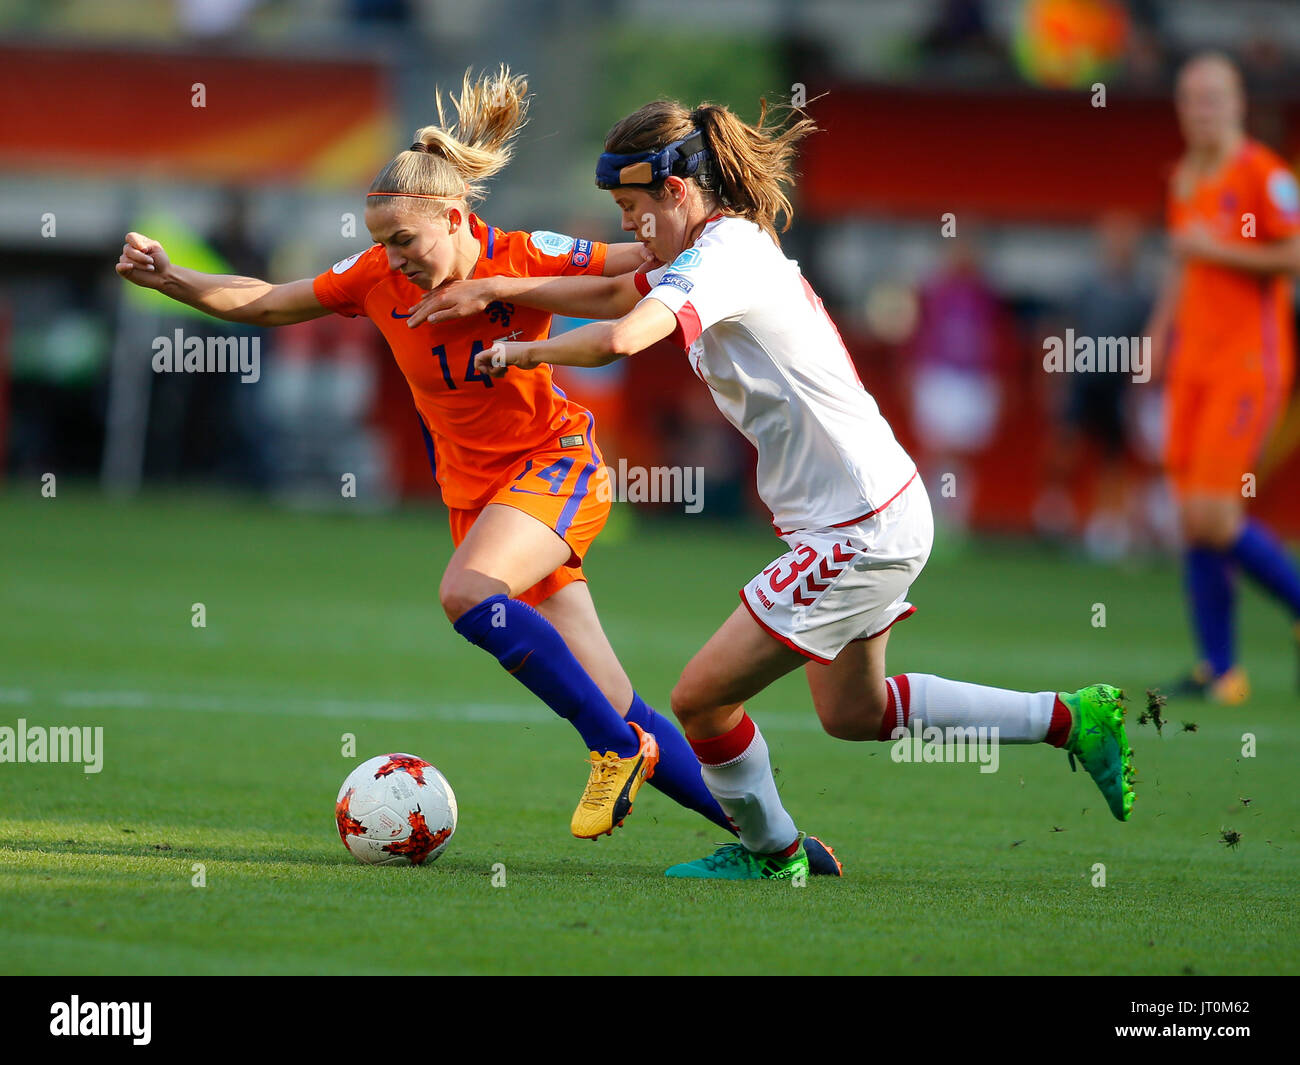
704, 191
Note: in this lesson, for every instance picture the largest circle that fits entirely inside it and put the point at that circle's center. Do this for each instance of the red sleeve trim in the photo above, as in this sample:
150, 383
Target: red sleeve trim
642, 283
688, 326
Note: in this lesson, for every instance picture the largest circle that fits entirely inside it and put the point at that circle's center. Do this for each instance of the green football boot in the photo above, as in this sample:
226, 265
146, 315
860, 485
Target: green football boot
1098, 741
732, 862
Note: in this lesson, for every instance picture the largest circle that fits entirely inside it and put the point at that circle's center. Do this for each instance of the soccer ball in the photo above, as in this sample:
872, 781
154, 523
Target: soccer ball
395, 809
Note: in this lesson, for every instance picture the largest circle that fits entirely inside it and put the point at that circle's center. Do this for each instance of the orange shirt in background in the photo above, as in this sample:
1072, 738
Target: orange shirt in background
1229, 320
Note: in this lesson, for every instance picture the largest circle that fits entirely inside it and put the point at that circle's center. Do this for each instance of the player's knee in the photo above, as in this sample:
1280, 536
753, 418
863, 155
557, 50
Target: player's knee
696, 705
459, 594
856, 725
846, 728
685, 702
855, 718
1205, 527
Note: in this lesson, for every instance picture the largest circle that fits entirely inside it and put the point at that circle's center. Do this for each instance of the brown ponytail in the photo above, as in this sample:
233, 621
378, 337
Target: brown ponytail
751, 165
453, 160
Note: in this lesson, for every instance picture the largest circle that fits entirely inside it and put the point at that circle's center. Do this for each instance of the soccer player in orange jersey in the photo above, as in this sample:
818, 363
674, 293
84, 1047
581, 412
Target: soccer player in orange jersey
516, 460
1223, 330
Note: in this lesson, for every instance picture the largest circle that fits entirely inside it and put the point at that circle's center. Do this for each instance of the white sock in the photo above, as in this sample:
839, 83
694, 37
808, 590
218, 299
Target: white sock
1020, 717
738, 771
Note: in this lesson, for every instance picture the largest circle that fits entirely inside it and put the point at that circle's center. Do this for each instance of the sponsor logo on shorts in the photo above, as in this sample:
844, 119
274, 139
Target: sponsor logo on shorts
767, 603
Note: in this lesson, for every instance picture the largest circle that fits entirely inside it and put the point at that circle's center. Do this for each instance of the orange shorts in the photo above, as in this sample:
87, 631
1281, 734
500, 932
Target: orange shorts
1218, 425
566, 489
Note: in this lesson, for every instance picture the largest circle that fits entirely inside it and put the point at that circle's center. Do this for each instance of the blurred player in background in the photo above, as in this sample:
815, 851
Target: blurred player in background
1223, 327
955, 383
1094, 424
705, 191
517, 462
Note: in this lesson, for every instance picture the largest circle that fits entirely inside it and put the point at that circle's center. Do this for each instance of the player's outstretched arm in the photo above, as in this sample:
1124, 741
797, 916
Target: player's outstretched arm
582, 296
144, 262
597, 344
625, 258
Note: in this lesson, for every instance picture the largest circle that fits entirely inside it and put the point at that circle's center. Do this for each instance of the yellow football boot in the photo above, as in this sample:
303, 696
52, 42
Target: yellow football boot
612, 787
1230, 689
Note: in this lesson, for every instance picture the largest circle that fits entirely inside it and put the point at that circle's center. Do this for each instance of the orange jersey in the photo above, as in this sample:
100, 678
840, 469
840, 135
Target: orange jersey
1229, 320
479, 425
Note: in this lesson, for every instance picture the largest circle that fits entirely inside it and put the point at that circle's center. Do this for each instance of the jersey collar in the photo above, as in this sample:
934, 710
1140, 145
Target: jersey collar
487, 239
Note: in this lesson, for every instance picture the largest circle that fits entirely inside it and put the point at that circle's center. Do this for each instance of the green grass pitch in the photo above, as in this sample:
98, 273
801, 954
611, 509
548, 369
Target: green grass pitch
222, 746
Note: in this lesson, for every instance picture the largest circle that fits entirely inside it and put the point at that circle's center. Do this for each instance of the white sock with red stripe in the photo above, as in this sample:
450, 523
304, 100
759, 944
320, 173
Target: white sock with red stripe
737, 769
919, 700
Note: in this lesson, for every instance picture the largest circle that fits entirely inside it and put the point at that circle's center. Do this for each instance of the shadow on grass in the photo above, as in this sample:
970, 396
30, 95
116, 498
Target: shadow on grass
518, 871
197, 852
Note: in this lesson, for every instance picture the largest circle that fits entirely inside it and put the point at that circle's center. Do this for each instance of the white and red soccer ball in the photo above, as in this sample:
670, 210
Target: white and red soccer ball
395, 809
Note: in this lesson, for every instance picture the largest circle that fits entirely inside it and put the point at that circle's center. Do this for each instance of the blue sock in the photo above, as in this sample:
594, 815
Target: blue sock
1266, 560
1209, 587
529, 647
678, 773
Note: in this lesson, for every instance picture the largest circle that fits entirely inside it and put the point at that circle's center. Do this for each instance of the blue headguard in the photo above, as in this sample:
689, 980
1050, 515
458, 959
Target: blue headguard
688, 157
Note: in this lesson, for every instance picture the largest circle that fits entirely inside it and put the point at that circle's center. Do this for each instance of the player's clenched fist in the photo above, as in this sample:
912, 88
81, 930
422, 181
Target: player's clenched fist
143, 261
495, 360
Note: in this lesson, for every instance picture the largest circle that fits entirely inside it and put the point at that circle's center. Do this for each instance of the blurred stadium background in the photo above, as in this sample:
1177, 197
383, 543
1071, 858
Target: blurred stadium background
980, 109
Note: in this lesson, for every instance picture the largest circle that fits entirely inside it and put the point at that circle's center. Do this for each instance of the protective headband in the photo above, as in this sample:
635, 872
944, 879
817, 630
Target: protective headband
688, 157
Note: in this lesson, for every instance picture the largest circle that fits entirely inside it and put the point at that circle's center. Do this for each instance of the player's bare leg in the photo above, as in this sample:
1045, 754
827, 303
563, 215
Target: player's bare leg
851, 694
506, 552
739, 660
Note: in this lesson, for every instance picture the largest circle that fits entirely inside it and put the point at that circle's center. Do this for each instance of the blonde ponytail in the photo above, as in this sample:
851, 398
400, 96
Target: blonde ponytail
454, 160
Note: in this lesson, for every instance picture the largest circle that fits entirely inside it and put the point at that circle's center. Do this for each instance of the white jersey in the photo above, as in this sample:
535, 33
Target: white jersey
759, 337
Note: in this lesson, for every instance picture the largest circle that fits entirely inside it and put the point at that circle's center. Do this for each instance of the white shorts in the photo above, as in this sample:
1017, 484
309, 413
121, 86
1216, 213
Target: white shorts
847, 582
